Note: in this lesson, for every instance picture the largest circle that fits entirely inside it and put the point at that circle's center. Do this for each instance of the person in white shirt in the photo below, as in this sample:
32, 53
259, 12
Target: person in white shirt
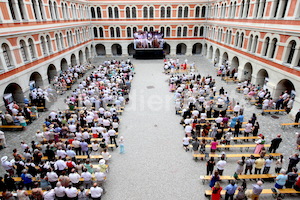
61, 153
71, 192
237, 108
112, 135
87, 178
100, 177
39, 136
74, 178
96, 192
60, 165
59, 191
49, 194
106, 155
52, 177
95, 147
221, 165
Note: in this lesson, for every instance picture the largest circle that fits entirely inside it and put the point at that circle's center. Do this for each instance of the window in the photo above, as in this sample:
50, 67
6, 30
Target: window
61, 40
11, 8
110, 12
197, 12
234, 10
266, 46
118, 32
230, 36
179, 15
250, 42
34, 8
291, 51
162, 30
255, 44
127, 12
241, 40
31, 48
273, 48
275, 7
184, 31
226, 37
98, 12
196, 31
112, 32
116, 11
186, 12
95, 32
21, 8
151, 29
237, 39
41, 10
257, 4
57, 42
23, 50
201, 31
168, 32
133, 12
263, 8
169, 12
43, 45
247, 8
203, 11
134, 29
71, 38
162, 12
284, 8
93, 13
49, 43
101, 32
55, 10
128, 30
145, 12
242, 8
51, 9
6, 55
179, 32
151, 12
145, 28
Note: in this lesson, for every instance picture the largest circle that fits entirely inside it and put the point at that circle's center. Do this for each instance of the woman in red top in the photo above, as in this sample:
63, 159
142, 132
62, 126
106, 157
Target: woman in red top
216, 191
213, 145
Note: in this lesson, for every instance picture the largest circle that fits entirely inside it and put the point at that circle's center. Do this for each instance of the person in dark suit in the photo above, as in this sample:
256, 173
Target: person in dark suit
275, 144
297, 118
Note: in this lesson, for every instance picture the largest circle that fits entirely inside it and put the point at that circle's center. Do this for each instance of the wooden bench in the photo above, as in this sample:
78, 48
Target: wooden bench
241, 146
283, 125
12, 127
207, 178
273, 111
39, 108
233, 155
208, 193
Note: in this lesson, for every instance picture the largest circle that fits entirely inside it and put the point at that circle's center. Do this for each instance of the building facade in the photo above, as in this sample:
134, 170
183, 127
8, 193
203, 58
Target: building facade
39, 38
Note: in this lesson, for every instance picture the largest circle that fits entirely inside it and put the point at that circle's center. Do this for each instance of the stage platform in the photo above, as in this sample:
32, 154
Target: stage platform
149, 53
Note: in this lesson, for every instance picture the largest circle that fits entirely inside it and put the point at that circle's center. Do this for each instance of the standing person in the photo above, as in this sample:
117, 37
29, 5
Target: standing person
230, 190
84, 148
291, 178
259, 164
221, 165
278, 164
281, 179
268, 163
121, 142
249, 164
210, 166
275, 144
255, 129
257, 189
216, 191
213, 146
241, 191
214, 178
293, 161
186, 142
240, 167
260, 143
2, 139
71, 192
248, 129
297, 118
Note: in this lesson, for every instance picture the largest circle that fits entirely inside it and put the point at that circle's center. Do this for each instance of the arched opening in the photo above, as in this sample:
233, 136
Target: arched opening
13, 92
87, 54
217, 56
181, 49
247, 73
197, 48
166, 48
284, 85
210, 52
80, 57
130, 49
100, 50
37, 78
224, 57
63, 65
235, 63
51, 72
262, 78
73, 60
116, 50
